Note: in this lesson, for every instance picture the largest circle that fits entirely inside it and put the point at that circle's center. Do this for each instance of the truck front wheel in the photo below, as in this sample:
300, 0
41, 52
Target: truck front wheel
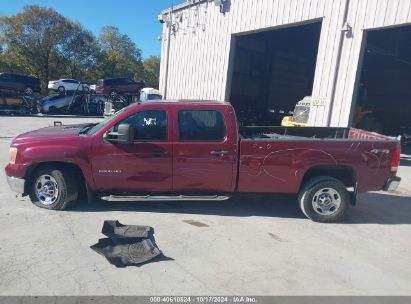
53, 188
324, 199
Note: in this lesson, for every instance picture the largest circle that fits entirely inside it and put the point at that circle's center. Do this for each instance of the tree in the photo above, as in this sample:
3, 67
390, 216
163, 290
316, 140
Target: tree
120, 55
152, 71
79, 52
42, 43
32, 40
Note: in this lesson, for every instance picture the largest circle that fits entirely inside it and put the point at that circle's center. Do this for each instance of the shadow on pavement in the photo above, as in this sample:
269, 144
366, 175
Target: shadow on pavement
380, 208
372, 208
282, 206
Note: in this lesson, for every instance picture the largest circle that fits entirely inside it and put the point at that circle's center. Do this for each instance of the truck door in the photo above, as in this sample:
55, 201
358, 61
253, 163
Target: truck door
143, 166
204, 154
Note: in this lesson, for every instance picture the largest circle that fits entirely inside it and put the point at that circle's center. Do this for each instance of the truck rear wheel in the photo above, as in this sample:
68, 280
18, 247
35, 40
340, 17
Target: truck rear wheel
53, 188
324, 199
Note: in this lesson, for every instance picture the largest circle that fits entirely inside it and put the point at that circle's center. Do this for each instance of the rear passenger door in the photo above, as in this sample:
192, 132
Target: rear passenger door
128, 86
204, 156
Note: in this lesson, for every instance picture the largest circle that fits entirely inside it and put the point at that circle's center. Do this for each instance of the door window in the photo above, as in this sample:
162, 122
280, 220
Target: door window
201, 125
150, 125
129, 81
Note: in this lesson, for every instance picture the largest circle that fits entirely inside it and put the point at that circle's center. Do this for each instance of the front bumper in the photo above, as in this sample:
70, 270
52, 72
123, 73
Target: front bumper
392, 183
16, 184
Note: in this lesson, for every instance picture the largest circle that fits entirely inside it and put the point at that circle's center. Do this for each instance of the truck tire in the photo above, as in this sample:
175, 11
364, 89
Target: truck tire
324, 199
53, 188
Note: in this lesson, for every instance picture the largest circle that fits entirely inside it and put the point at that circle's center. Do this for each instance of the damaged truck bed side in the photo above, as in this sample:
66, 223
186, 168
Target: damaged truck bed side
194, 150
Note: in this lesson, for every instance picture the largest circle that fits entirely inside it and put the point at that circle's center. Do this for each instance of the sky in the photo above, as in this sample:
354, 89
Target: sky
136, 18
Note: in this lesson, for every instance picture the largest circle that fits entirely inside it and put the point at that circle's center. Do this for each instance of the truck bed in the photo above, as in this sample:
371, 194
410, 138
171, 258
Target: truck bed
261, 133
281, 157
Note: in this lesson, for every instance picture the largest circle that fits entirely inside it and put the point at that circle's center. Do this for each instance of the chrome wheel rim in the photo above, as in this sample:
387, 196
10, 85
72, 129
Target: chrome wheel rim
326, 201
46, 189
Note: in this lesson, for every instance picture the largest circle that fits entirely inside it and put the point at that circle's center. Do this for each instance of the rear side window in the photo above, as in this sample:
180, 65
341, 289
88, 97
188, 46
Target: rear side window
201, 125
150, 125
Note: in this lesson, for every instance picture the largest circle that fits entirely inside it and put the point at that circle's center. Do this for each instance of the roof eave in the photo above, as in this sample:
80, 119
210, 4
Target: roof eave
182, 6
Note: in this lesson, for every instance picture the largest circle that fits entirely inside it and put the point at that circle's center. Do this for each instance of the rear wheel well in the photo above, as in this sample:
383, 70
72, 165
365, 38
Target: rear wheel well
72, 168
344, 174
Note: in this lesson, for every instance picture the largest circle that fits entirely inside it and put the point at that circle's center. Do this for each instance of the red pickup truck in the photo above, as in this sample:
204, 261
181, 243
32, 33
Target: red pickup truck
195, 150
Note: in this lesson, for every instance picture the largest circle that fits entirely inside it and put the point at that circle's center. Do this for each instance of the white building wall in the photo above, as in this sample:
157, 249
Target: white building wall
199, 55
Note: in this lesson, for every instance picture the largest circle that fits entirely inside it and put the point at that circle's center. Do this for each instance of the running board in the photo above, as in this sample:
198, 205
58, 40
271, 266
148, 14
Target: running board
145, 198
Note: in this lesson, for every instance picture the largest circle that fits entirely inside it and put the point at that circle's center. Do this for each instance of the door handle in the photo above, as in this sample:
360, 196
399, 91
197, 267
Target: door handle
159, 152
219, 152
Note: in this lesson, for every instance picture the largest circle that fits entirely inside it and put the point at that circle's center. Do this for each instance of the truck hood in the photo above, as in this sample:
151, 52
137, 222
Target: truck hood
59, 132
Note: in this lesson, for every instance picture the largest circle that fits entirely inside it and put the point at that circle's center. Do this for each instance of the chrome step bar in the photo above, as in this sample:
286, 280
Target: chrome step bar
145, 198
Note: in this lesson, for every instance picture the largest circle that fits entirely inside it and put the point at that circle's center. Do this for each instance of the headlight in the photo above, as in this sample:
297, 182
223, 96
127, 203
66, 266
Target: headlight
13, 155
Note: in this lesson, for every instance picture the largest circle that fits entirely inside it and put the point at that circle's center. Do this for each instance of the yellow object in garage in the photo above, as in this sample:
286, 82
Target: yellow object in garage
300, 116
288, 121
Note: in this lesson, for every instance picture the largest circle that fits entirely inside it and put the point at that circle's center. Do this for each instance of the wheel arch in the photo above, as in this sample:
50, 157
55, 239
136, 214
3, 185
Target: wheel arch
73, 168
345, 174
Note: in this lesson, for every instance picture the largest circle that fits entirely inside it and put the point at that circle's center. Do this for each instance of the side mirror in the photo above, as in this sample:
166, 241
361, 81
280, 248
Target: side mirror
124, 135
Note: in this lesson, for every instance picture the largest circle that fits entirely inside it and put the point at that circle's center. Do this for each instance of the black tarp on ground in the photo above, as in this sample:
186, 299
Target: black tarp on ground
127, 245
114, 229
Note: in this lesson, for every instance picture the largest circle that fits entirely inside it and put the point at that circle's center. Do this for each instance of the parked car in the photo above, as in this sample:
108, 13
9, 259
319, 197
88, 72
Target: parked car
19, 83
187, 150
150, 94
115, 86
54, 103
63, 85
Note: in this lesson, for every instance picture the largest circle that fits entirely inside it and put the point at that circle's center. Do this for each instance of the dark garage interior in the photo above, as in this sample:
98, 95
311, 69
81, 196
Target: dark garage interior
272, 71
383, 102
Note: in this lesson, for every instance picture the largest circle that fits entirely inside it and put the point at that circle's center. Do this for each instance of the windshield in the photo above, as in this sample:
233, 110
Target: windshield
153, 96
99, 126
301, 114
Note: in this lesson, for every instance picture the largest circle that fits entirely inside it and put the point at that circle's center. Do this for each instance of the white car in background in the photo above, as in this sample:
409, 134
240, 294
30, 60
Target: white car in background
63, 85
150, 94
93, 87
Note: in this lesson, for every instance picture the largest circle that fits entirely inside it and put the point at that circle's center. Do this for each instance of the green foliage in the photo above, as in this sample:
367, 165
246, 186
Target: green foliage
42, 43
120, 57
151, 71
